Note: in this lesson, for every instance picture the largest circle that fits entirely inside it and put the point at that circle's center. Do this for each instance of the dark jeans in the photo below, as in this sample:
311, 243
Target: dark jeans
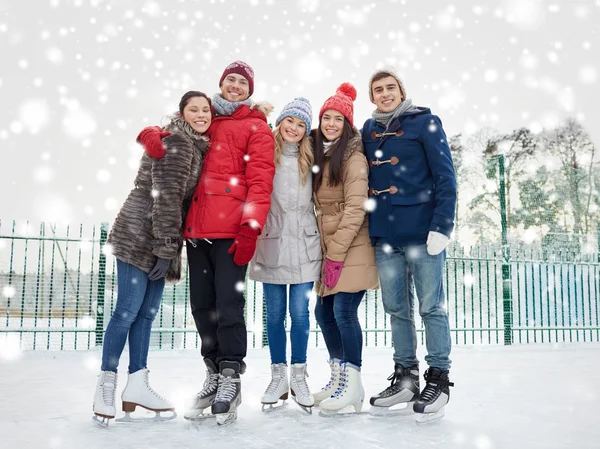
138, 301
217, 300
337, 316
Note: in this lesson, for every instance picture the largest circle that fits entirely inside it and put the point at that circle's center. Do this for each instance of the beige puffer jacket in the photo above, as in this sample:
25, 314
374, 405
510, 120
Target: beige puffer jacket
343, 224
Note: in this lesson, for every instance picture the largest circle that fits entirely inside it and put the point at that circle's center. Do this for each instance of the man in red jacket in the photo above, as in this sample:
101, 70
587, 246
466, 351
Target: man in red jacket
228, 210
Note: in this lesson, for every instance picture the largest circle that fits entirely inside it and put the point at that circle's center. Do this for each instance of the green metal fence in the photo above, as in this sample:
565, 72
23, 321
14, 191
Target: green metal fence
58, 290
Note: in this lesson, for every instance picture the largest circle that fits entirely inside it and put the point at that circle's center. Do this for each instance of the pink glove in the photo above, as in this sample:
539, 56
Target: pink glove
333, 270
151, 139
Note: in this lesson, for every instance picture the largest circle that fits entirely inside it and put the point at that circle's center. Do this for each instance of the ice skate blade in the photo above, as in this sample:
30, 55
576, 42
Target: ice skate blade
224, 419
156, 418
268, 408
428, 418
199, 416
102, 421
306, 408
377, 410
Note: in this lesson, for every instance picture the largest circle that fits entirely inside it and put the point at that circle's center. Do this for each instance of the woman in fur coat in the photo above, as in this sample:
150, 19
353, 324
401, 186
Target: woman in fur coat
340, 191
147, 239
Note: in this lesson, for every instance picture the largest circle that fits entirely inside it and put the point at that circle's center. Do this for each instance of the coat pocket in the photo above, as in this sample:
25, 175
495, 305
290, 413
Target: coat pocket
268, 248
412, 215
312, 240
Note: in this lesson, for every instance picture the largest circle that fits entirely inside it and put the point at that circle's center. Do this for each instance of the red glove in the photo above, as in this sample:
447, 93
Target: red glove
244, 245
151, 139
333, 270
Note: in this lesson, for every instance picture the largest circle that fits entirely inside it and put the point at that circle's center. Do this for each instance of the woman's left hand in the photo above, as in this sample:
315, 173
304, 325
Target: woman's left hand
333, 271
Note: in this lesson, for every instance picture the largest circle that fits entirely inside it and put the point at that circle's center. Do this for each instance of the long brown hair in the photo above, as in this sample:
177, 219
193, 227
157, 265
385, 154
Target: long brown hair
305, 154
336, 160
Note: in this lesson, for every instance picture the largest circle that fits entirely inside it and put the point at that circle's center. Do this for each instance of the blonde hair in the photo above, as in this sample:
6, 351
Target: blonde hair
306, 157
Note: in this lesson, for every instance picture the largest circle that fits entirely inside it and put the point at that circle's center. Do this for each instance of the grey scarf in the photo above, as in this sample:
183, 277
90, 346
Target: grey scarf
386, 117
224, 107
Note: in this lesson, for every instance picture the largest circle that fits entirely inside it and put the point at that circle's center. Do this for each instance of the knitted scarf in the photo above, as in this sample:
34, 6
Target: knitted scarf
386, 117
224, 107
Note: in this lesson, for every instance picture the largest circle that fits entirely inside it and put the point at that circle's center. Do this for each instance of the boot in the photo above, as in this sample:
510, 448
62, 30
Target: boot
138, 392
350, 391
436, 393
299, 387
332, 385
229, 393
278, 388
196, 405
404, 389
104, 398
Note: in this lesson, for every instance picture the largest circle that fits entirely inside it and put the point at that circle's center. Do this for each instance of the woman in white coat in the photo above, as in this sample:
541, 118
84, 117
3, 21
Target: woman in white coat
288, 254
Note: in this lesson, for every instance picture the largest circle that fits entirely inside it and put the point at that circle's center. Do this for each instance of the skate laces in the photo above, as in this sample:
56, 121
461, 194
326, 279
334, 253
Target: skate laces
150, 389
343, 381
277, 376
109, 386
434, 386
227, 388
299, 380
210, 384
333, 377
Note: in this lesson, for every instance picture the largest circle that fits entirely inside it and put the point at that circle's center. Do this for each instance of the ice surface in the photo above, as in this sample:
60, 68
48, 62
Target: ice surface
536, 396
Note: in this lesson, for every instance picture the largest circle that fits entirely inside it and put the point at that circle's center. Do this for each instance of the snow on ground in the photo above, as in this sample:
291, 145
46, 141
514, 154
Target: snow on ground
536, 396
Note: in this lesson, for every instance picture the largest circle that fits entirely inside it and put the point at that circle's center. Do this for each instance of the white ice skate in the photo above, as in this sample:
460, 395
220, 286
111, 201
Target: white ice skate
195, 406
278, 388
350, 392
332, 385
299, 387
104, 398
138, 392
430, 407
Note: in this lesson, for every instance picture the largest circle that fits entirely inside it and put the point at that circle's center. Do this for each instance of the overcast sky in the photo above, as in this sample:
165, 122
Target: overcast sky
79, 79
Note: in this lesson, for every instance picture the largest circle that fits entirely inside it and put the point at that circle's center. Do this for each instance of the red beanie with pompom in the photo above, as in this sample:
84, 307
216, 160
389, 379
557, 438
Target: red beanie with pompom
341, 102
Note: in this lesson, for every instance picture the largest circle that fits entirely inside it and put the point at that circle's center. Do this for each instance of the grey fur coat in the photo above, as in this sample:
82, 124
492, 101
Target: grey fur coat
150, 223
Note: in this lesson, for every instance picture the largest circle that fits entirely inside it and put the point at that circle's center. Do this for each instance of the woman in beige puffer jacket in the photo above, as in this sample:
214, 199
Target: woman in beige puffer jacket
340, 194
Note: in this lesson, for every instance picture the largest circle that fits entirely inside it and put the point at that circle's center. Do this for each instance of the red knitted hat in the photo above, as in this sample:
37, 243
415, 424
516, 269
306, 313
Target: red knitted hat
342, 102
241, 68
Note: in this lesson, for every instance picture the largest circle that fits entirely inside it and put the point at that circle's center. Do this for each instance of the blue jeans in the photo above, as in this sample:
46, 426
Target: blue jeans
138, 301
276, 301
399, 269
337, 316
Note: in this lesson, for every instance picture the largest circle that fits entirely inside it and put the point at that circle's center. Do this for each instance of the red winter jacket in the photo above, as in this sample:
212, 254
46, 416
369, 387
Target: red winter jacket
237, 179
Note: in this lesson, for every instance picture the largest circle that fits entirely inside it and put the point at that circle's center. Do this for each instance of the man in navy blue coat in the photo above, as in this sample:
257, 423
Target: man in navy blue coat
411, 216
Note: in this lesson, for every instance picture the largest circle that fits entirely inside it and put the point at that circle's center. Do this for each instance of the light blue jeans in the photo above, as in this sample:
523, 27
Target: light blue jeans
138, 301
399, 269
276, 302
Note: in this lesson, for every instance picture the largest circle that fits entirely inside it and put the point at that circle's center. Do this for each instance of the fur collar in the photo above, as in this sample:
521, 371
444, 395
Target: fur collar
354, 144
263, 106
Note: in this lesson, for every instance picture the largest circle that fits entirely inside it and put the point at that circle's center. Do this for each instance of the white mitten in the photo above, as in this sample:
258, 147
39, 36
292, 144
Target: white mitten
436, 243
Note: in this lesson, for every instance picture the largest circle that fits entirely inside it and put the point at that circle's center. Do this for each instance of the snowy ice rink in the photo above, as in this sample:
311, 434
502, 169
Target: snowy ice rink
537, 396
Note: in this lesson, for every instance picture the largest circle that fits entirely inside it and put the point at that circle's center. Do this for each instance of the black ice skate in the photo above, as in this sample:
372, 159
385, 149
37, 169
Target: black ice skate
403, 391
431, 405
229, 393
196, 405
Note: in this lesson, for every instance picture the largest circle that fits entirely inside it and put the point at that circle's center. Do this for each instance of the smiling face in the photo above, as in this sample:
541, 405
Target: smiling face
197, 114
292, 129
332, 124
386, 94
235, 88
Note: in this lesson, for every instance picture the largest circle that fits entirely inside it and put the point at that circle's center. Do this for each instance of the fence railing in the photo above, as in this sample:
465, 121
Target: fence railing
58, 290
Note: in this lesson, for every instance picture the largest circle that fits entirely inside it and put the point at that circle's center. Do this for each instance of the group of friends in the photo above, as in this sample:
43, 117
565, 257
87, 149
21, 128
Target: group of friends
333, 209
